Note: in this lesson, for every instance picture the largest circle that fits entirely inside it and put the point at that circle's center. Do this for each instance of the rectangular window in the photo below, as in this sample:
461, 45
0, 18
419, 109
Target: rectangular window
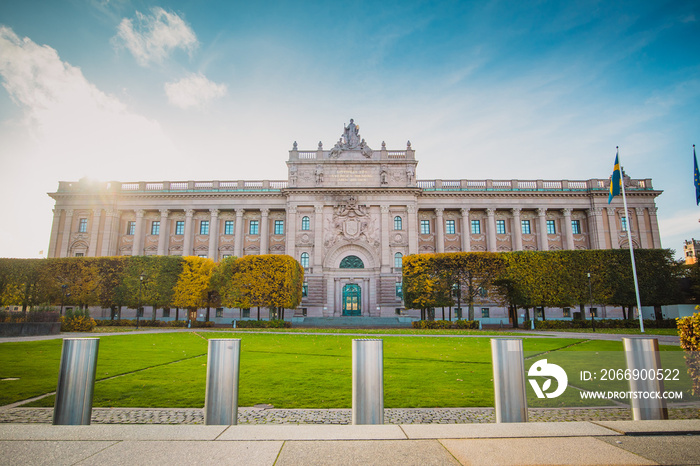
279, 227
551, 228
180, 227
166, 312
567, 312
219, 312
82, 227
155, 228
304, 290
253, 230
79, 254
501, 227
131, 229
576, 227
226, 256
228, 227
476, 227
305, 223
398, 223
525, 227
540, 313
594, 312
245, 313
204, 227
425, 227
399, 290
484, 312
140, 312
450, 227
623, 223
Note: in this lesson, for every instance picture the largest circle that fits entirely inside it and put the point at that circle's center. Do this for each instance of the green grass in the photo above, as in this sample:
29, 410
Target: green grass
287, 371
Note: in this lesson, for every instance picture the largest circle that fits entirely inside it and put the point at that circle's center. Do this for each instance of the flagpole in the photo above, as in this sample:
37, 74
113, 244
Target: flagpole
629, 240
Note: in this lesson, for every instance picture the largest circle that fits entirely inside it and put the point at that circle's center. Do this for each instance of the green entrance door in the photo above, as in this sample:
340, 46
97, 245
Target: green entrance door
351, 300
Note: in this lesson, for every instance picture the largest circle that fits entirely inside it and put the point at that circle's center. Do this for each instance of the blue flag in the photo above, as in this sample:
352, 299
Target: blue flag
697, 178
615, 183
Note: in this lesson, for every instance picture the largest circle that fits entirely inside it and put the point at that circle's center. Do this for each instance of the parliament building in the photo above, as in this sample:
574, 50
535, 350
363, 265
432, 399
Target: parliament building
349, 215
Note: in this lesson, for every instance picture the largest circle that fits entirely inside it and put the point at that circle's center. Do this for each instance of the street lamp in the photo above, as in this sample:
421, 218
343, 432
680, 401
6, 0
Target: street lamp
138, 311
590, 297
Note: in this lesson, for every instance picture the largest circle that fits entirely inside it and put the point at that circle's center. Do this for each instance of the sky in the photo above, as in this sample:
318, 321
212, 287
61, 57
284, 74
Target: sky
205, 90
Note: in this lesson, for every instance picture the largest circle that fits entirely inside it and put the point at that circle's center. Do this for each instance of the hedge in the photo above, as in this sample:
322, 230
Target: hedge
30, 316
446, 324
263, 324
689, 332
600, 323
153, 323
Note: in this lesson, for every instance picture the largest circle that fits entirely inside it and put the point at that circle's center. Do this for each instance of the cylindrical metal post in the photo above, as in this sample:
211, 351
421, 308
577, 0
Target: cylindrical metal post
223, 367
76, 382
642, 355
367, 382
509, 380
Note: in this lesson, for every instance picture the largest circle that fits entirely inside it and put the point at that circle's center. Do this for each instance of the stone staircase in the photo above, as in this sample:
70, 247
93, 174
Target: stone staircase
352, 322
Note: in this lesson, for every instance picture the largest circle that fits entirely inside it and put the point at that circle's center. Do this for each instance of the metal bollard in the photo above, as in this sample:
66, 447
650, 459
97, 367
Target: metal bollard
223, 367
367, 382
642, 355
76, 382
509, 380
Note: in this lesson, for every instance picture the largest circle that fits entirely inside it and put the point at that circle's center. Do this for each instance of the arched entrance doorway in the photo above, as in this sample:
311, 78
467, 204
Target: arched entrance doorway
352, 300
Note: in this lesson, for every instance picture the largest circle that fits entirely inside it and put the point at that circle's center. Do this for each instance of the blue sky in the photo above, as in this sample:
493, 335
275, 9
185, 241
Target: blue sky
177, 90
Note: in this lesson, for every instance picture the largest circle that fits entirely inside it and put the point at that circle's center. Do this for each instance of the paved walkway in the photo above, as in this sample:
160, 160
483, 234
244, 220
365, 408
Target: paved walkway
575, 443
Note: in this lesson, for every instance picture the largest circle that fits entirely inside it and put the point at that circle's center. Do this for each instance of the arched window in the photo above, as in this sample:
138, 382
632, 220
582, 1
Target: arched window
305, 223
304, 259
398, 258
352, 262
398, 223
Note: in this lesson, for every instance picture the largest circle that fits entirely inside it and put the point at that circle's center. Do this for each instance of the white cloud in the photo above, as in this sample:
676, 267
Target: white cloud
193, 91
150, 38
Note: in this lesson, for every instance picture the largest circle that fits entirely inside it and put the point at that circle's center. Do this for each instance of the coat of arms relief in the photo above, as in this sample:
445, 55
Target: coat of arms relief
351, 222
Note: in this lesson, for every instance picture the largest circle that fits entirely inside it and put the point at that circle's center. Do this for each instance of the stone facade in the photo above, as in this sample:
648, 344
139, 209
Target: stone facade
348, 215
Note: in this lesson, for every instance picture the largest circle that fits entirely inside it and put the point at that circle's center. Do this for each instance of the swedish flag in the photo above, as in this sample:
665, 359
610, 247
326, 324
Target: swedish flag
697, 178
615, 183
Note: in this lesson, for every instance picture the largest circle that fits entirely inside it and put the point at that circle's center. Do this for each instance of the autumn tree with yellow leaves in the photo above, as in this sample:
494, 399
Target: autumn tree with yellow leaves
193, 284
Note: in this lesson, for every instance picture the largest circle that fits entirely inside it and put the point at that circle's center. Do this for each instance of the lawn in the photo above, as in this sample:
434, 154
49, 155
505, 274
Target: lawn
287, 371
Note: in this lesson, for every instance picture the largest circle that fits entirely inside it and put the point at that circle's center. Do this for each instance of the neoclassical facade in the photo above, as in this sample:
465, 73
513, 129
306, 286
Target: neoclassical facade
349, 215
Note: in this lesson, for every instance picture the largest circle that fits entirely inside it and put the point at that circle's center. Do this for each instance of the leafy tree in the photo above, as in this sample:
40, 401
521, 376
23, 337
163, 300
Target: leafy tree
193, 284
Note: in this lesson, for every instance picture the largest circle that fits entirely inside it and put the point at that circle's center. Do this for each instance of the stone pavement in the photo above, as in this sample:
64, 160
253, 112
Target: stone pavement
576, 443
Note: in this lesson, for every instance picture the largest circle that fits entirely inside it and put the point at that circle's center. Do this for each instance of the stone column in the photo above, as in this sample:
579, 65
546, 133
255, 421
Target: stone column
612, 223
95, 231
264, 230
67, 230
412, 228
238, 238
466, 231
189, 226
544, 241
568, 231
596, 230
439, 230
491, 241
164, 234
655, 235
643, 240
517, 230
318, 238
54, 233
386, 251
137, 246
214, 235
108, 238
290, 248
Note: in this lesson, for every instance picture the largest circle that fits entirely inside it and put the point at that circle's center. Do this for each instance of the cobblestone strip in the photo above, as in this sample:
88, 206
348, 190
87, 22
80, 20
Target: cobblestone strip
332, 416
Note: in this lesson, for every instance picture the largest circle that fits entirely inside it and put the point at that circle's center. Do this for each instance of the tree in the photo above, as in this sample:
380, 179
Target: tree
79, 274
193, 283
20, 282
418, 282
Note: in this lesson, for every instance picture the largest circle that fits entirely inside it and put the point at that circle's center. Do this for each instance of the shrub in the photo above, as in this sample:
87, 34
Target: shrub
77, 323
599, 323
446, 324
263, 324
689, 332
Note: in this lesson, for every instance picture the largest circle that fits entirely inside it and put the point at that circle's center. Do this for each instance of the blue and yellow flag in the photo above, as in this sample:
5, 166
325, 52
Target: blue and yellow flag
615, 183
697, 178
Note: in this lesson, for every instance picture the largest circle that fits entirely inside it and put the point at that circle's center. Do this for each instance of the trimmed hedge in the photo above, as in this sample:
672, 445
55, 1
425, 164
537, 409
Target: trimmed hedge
263, 324
153, 323
77, 323
30, 316
600, 323
446, 324
689, 331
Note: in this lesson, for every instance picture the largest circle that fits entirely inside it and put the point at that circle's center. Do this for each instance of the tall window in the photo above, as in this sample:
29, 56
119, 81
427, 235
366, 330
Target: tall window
304, 259
399, 290
425, 227
82, 227
450, 227
228, 227
279, 227
305, 223
155, 228
623, 223
398, 223
525, 227
204, 227
485, 312
131, 228
576, 227
219, 312
398, 260
304, 290
476, 227
253, 228
551, 228
180, 227
501, 227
